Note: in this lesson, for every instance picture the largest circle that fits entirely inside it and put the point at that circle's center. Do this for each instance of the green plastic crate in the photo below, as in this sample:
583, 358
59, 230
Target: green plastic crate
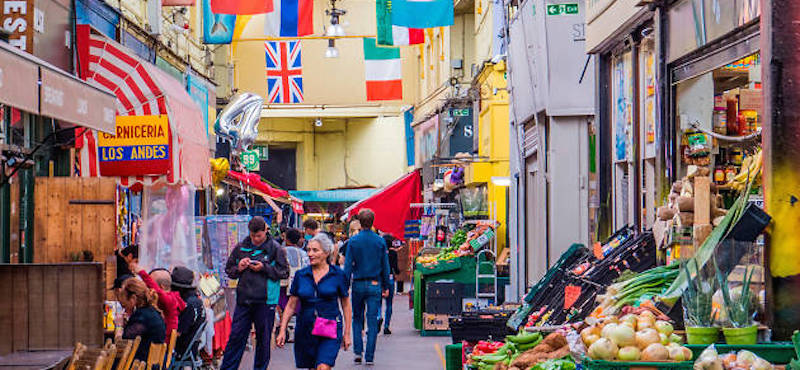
452, 356
776, 353
418, 309
590, 364
440, 267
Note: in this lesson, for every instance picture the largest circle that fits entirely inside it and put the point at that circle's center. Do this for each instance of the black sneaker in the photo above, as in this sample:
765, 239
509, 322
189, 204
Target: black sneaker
357, 359
370, 363
380, 323
386, 331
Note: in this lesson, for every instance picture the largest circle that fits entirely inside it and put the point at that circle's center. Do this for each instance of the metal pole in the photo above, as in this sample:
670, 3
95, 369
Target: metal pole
780, 42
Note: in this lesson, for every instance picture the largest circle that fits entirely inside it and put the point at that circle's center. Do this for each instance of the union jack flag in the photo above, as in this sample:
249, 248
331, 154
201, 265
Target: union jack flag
284, 72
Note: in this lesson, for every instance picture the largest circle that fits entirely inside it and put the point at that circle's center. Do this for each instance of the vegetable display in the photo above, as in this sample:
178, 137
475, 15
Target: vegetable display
524, 350
710, 359
459, 246
633, 337
633, 287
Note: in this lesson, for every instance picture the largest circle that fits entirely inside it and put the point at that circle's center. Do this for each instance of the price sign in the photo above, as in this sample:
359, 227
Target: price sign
571, 295
250, 160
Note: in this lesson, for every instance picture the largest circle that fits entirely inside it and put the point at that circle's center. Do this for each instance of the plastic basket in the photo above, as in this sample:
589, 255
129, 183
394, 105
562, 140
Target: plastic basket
440, 267
452, 355
590, 364
776, 353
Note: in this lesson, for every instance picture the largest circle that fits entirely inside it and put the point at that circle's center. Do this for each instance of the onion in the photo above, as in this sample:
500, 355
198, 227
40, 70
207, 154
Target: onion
646, 337
622, 335
664, 339
629, 319
603, 349
585, 333
664, 327
645, 323
687, 353
675, 338
655, 352
607, 330
590, 339
676, 353
629, 353
648, 314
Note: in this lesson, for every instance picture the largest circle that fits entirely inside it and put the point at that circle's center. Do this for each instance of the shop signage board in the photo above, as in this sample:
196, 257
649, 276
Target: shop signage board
140, 147
23, 76
71, 100
250, 159
17, 19
572, 93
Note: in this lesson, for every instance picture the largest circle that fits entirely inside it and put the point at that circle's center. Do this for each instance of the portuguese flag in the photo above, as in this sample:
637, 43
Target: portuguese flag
383, 70
391, 34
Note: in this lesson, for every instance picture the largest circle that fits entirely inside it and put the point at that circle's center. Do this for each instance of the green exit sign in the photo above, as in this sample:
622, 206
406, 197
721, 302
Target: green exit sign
562, 9
463, 112
250, 160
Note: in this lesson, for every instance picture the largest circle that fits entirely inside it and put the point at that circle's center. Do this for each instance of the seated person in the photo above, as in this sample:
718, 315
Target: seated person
194, 315
145, 321
170, 303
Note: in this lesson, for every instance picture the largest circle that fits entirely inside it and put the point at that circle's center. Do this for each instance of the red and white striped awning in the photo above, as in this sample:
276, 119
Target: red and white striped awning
142, 88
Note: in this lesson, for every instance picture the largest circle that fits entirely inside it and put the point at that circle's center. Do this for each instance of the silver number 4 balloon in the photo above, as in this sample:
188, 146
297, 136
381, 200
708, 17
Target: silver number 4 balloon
238, 121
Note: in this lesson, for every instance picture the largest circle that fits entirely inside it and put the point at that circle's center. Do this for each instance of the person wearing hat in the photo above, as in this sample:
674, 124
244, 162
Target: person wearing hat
193, 316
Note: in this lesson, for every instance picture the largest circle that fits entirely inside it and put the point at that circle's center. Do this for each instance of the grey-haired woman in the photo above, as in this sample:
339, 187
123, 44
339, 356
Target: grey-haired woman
320, 289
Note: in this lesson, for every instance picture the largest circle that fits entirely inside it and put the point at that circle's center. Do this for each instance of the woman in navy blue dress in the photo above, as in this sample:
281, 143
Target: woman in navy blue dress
319, 289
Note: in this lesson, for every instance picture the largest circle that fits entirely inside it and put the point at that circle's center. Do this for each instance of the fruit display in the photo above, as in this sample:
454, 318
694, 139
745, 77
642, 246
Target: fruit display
459, 246
710, 359
632, 337
751, 167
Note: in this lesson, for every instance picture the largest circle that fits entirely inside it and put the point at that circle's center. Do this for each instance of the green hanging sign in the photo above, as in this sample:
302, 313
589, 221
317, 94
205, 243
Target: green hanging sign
250, 159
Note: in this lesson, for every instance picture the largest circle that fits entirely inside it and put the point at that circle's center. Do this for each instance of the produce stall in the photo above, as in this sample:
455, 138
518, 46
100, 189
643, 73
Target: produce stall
633, 301
445, 277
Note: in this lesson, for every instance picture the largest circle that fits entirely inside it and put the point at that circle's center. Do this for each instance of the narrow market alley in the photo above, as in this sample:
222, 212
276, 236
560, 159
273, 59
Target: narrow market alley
403, 349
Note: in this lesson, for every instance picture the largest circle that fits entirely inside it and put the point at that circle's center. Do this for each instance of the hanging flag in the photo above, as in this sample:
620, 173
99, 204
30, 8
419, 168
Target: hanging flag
177, 3
284, 72
241, 6
384, 71
422, 13
392, 34
217, 28
291, 18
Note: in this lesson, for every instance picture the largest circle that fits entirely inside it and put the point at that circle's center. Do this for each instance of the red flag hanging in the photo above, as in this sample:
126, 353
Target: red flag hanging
241, 6
392, 204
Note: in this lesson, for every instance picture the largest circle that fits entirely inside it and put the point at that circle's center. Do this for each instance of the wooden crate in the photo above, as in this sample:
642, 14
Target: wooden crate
432, 321
50, 306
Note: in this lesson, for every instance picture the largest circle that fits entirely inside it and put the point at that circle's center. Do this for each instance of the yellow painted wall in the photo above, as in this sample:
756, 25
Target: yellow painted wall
343, 152
493, 132
330, 81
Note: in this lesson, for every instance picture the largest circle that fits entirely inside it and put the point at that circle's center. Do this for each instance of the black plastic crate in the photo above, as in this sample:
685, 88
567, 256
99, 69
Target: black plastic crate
448, 305
444, 290
475, 328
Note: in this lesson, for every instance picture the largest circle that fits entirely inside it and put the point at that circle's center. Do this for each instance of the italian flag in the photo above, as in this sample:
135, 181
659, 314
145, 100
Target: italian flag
384, 72
391, 34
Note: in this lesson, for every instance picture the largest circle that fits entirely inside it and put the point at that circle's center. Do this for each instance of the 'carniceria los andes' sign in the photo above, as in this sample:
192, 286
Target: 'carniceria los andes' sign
140, 147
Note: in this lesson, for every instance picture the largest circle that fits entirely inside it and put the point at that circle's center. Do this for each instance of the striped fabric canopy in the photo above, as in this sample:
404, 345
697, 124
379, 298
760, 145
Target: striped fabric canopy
143, 89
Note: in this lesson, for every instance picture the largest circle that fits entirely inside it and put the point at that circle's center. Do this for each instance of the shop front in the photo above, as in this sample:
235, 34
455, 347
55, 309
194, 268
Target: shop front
39, 117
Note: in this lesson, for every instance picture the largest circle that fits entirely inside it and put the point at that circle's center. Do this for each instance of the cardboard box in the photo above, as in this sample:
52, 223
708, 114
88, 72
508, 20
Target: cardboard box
432, 321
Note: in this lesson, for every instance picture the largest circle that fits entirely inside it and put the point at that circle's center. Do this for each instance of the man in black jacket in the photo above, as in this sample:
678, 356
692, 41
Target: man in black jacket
259, 263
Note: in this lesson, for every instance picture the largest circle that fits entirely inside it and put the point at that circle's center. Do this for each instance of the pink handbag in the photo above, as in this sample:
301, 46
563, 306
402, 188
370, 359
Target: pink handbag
324, 328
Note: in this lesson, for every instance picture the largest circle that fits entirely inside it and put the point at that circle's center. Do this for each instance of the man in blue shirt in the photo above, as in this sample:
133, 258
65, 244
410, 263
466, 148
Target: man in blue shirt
366, 264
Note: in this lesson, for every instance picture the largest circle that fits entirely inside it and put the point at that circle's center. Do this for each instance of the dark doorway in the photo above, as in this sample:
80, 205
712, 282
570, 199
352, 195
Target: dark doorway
281, 168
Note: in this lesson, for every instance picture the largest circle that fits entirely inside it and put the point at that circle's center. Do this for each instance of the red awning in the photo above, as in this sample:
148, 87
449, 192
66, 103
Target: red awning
392, 204
141, 89
254, 180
